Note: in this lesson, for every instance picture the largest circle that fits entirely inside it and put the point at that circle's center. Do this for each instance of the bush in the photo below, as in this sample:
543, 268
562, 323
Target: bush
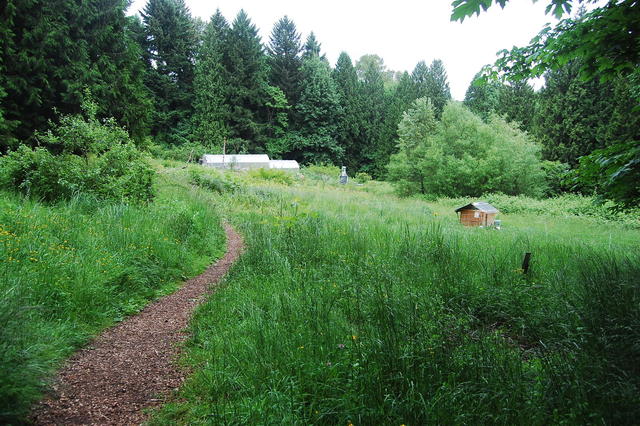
556, 177
212, 180
362, 177
275, 176
92, 158
462, 155
321, 172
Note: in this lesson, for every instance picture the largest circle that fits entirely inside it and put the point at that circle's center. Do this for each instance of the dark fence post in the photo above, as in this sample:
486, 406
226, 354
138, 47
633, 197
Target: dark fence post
525, 263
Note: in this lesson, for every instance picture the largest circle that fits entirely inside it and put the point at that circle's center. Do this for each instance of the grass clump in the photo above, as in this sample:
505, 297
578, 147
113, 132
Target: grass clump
271, 175
72, 268
213, 180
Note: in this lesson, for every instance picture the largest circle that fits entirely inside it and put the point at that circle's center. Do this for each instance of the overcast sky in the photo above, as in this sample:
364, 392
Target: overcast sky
402, 32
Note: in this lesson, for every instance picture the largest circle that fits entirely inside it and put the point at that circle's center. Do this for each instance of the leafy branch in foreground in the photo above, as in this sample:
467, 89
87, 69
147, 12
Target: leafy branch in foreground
605, 39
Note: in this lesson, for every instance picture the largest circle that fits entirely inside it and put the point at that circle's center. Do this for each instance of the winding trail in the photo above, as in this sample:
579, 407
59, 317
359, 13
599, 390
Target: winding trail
131, 366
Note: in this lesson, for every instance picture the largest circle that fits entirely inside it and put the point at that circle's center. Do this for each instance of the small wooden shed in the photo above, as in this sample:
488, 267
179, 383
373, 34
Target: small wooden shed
477, 214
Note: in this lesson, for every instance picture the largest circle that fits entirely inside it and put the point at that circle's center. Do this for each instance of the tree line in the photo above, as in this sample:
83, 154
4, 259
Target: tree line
178, 80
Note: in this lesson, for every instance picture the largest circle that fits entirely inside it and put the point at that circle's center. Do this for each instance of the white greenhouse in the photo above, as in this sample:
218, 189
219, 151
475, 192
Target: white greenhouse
286, 165
247, 162
236, 161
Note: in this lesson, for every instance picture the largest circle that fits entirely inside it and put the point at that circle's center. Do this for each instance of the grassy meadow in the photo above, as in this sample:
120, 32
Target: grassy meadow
70, 269
352, 306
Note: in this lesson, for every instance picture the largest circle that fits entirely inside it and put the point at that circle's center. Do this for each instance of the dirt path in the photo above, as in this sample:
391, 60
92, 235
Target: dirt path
131, 367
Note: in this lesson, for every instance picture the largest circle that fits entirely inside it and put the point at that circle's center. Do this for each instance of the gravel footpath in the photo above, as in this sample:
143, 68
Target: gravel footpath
131, 367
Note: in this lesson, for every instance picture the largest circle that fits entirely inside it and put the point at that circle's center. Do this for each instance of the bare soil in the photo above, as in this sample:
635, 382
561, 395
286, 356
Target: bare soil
131, 367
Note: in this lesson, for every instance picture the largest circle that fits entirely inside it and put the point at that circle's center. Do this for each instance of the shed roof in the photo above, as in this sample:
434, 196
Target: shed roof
479, 205
235, 158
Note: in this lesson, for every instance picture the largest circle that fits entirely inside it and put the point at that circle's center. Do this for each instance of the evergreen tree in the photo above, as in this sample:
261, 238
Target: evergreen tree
311, 47
482, 97
211, 111
421, 77
320, 112
349, 132
575, 117
438, 86
284, 52
376, 102
247, 94
171, 41
517, 103
53, 50
115, 69
399, 101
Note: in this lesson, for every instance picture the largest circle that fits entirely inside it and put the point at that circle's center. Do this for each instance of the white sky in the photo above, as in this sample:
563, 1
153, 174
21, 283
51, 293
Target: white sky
402, 32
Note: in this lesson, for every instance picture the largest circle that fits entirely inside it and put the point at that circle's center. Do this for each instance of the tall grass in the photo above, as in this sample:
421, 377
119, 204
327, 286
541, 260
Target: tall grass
71, 269
348, 308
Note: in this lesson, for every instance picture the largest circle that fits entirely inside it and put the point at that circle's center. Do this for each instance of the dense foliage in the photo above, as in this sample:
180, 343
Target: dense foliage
596, 54
81, 155
462, 155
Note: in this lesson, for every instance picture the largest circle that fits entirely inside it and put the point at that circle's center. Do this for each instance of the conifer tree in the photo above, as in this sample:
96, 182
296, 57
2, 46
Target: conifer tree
53, 50
400, 100
284, 52
247, 93
312, 47
517, 103
482, 98
373, 96
349, 132
438, 86
320, 111
171, 43
575, 117
211, 111
421, 80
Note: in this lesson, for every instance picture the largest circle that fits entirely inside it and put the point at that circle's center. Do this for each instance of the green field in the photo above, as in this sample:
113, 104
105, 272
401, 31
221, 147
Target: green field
353, 306
70, 269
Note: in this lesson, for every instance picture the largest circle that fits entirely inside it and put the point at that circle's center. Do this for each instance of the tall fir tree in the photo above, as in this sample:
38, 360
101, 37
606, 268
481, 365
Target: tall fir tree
373, 96
438, 86
517, 103
482, 97
349, 132
320, 112
211, 111
285, 61
53, 50
247, 87
171, 42
421, 76
400, 100
312, 47
575, 117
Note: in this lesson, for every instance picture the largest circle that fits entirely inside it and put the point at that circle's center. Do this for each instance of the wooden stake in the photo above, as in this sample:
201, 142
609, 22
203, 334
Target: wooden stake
525, 263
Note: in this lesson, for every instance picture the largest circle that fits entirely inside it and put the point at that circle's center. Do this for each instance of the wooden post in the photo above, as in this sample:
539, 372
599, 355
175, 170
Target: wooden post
525, 263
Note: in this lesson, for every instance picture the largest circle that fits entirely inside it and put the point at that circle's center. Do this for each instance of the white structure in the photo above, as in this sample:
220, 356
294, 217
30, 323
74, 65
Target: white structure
236, 161
286, 165
247, 162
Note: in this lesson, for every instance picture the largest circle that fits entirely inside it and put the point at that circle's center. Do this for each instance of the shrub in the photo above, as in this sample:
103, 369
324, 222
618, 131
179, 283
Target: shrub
362, 177
92, 158
462, 155
212, 180
276, 176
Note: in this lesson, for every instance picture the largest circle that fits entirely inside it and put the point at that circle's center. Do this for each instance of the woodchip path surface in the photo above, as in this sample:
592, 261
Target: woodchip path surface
131, 366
